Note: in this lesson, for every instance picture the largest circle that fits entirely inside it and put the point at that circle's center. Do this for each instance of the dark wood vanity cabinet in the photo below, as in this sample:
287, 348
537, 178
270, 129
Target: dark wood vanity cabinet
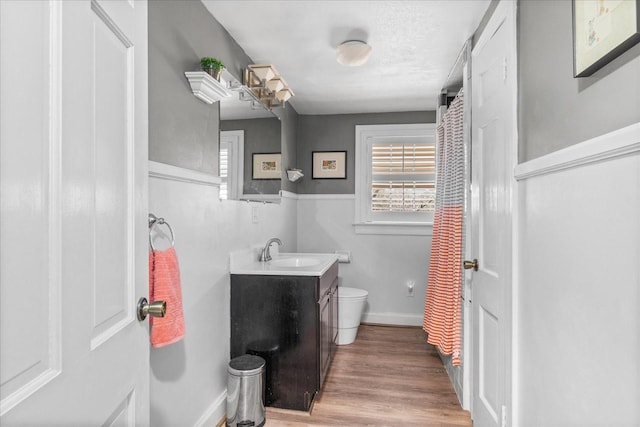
295, 317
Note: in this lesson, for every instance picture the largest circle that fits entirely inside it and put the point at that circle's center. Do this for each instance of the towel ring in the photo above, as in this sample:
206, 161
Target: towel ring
153, 220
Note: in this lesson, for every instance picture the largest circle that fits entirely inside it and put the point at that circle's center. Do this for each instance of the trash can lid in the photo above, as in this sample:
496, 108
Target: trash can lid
264, 346
246, 365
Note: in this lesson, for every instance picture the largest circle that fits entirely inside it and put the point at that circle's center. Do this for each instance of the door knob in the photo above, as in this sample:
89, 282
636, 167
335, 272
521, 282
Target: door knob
471, 264
155, 309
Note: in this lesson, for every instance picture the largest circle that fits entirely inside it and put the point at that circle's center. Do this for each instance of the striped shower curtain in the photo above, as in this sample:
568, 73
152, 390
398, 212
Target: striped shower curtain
443, 307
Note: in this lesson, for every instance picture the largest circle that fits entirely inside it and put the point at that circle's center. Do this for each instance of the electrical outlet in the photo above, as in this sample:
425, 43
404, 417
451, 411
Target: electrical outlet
411, 285
254, 214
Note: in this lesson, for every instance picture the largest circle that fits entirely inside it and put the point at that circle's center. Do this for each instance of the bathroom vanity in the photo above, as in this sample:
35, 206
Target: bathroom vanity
287, 308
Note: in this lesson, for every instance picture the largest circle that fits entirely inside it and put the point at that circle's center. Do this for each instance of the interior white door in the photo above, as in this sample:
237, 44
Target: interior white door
493, 89
73, 213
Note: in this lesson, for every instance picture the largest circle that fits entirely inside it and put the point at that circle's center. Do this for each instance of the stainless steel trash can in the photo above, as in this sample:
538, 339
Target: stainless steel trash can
245, 392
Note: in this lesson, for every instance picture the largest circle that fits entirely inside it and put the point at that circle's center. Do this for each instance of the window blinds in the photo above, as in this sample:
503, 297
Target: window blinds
224, 171
403, 177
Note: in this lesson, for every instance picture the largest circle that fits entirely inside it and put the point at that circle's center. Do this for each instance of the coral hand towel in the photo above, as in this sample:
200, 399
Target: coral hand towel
164, 285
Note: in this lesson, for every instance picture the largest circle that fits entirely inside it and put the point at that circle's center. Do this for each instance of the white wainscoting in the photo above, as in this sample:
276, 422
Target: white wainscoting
577, 343
189, 378
380, 264
215, 413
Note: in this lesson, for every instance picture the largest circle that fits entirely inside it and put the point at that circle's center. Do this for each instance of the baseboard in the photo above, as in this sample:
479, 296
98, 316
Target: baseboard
387, 325
397, 319
215, 415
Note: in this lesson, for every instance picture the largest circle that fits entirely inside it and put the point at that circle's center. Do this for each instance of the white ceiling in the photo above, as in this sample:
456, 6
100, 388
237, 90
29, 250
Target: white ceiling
415, 45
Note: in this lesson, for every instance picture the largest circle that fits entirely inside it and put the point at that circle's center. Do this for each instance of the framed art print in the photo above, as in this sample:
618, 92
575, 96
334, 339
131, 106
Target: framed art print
602, 31
266, 166
329, 165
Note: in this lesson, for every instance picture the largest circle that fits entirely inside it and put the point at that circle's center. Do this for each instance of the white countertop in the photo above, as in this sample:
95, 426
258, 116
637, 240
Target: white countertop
320, 264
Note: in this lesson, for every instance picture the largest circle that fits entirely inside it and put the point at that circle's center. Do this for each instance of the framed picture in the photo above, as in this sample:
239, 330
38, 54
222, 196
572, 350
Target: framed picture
602, 31
266, 166
329, 165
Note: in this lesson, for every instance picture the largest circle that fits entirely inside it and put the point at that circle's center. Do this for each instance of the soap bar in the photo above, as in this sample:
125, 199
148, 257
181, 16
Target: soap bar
344, 256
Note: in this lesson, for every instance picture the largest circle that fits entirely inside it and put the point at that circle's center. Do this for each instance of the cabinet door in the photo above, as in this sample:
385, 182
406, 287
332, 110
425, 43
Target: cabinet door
334, 315
325, 335
282, 310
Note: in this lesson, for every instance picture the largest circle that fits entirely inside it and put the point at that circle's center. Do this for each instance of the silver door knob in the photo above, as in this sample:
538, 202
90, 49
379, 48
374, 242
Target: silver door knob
155, 309
471, 264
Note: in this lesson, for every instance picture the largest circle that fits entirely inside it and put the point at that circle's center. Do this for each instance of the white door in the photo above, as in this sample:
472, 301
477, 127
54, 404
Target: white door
73, 213
493, 124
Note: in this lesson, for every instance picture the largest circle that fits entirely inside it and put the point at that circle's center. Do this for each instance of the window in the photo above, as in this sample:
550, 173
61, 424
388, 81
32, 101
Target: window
231, 167
224, 169
402, 177
395, 178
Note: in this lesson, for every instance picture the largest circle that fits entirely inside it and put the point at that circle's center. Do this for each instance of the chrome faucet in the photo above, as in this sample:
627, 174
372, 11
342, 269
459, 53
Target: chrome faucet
265, 255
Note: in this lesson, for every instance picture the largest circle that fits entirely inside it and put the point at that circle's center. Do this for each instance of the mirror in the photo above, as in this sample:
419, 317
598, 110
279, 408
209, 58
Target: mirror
250, 147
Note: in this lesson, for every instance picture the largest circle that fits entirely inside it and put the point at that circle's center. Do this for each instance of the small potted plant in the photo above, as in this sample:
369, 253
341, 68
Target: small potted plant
212, 66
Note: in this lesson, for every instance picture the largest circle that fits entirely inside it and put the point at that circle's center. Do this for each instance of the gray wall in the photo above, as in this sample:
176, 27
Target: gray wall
289, 118
260, 136
578, 285
557, 110
188, 379
183, 131
337, 133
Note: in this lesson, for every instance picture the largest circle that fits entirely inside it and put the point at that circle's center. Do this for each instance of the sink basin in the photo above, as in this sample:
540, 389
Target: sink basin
283, 264
295, 262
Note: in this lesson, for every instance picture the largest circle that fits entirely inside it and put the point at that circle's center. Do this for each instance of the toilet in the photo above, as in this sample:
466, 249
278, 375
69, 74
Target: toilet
351, 303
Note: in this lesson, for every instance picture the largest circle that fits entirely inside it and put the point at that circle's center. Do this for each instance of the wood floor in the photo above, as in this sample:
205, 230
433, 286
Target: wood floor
389, 376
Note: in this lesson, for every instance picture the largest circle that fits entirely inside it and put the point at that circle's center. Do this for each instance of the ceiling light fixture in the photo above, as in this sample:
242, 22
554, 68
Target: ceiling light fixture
353, 53
266, 86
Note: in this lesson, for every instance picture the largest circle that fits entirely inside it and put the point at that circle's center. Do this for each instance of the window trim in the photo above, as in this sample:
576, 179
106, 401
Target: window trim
365, 135
234, 139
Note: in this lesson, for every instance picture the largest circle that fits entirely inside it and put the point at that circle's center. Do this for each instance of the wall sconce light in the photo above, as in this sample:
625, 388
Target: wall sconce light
266, 85
284, 94
263, 72
275, 84
294, 174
